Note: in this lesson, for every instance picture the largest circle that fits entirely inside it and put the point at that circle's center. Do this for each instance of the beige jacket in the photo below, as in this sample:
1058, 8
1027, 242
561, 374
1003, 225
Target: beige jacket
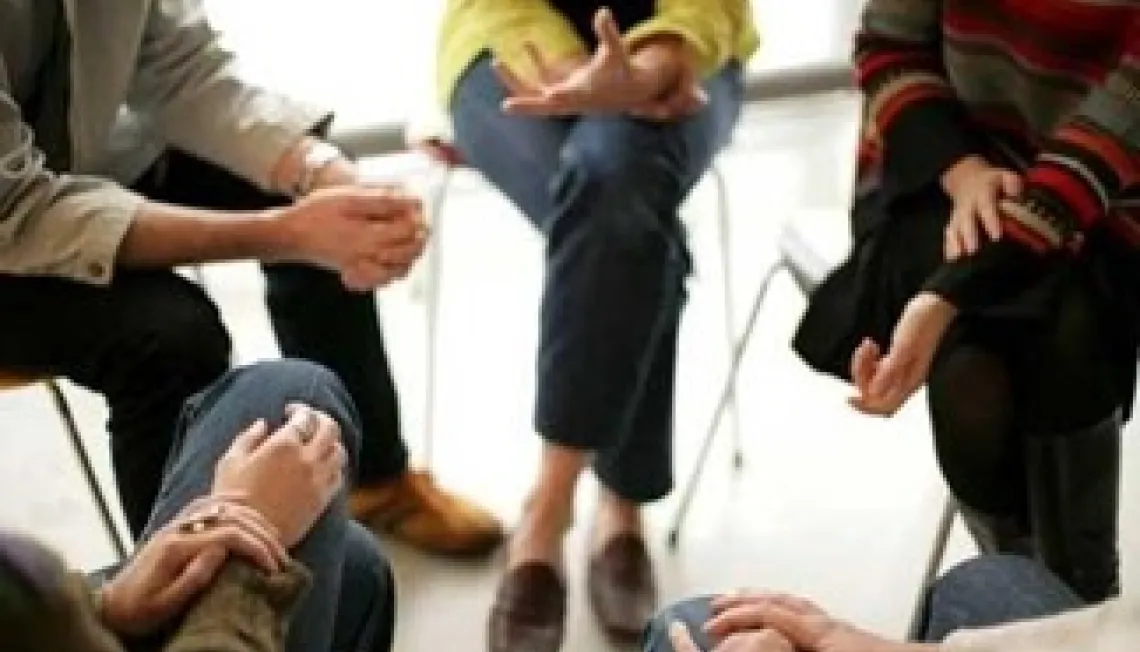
158, 63
1111, 627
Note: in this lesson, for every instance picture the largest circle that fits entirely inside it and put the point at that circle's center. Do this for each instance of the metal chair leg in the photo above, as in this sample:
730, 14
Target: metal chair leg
725, 231
740, 346
80, 450
432, 298
933, 567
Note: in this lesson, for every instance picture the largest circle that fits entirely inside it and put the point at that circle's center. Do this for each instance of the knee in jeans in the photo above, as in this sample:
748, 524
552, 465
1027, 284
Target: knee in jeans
315, 385
979, 575
694, 613
629, 202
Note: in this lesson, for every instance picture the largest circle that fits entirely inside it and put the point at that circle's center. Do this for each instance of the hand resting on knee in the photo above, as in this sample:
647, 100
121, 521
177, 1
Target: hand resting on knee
268, 491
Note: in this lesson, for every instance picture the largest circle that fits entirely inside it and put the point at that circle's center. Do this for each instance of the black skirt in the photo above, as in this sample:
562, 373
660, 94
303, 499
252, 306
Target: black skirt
897, 247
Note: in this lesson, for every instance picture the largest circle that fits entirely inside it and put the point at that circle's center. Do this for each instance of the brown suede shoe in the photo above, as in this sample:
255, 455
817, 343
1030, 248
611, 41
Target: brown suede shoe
623, 591
529, 612
416, 510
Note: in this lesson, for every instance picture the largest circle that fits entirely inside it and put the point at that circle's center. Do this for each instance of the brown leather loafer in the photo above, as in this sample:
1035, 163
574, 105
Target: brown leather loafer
416, 510
623, 591
529, 613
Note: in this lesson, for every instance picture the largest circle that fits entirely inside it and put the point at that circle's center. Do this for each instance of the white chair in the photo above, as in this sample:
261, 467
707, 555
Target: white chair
432, 136
807, 269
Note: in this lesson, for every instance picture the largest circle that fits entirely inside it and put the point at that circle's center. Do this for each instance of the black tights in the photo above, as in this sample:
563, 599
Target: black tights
992, 386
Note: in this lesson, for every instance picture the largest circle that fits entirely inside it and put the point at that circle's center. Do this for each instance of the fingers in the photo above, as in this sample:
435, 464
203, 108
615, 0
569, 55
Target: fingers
863, 364
743, 617
609, 39
1012, 185
255, 523
545, 74
965, 224
326, 436
889, 388
683, 102
990, 217
790, 602
555, 103
890, 370
367, 275
236, 539
951, 245
251, 437
766, 614
681, 639
515, 86
323, 452
198, 573
382, 202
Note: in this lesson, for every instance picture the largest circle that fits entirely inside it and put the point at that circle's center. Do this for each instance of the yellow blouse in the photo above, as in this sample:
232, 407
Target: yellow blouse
719, 31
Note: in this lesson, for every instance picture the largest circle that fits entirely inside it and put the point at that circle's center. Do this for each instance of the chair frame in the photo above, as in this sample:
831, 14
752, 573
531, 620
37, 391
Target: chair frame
83, 458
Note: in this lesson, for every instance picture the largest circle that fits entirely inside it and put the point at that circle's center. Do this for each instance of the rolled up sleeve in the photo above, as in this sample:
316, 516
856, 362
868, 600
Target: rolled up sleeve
55, 224
202, 106
717, 30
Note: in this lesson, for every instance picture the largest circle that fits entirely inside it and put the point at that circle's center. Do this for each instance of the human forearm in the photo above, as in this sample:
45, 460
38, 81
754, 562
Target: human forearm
713, 31
163, 235
293, 169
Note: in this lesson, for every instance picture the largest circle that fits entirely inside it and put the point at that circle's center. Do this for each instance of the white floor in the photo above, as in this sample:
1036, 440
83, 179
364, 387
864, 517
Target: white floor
830, 504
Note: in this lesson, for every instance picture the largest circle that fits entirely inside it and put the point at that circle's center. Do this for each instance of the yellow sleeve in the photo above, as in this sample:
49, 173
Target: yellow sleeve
717, 30
503, 27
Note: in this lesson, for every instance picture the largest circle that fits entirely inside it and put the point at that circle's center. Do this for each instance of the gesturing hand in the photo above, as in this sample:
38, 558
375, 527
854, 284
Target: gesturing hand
885, 382
289, 476
181, 560
807, 627
976, 188
607, 82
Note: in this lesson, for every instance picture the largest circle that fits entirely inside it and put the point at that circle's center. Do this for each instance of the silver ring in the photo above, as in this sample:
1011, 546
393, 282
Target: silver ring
308, 428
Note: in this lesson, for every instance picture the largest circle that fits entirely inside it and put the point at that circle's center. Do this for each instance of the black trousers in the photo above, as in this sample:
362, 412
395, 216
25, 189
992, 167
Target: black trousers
152, 339
1059, 359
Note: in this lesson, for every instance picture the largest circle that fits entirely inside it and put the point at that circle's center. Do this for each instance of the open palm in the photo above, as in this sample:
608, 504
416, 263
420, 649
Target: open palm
886, 381
606, 82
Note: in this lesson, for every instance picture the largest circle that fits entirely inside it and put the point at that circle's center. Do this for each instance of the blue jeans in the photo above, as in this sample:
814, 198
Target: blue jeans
605, 192
995, 590
351, 606
983, 592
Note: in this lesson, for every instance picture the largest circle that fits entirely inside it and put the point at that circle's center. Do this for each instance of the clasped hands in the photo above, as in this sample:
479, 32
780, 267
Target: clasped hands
654, 79
772, 622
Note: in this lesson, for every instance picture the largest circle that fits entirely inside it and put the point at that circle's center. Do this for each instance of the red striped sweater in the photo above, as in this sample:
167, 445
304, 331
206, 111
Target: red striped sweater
1052, 84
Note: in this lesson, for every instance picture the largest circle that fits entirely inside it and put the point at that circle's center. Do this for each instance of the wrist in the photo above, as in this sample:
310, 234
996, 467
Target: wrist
338, 172
300, 169
938, 306
276, 235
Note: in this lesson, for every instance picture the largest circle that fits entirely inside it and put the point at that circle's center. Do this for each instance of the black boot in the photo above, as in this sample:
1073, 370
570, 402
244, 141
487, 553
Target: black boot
999, 534
1074, 486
